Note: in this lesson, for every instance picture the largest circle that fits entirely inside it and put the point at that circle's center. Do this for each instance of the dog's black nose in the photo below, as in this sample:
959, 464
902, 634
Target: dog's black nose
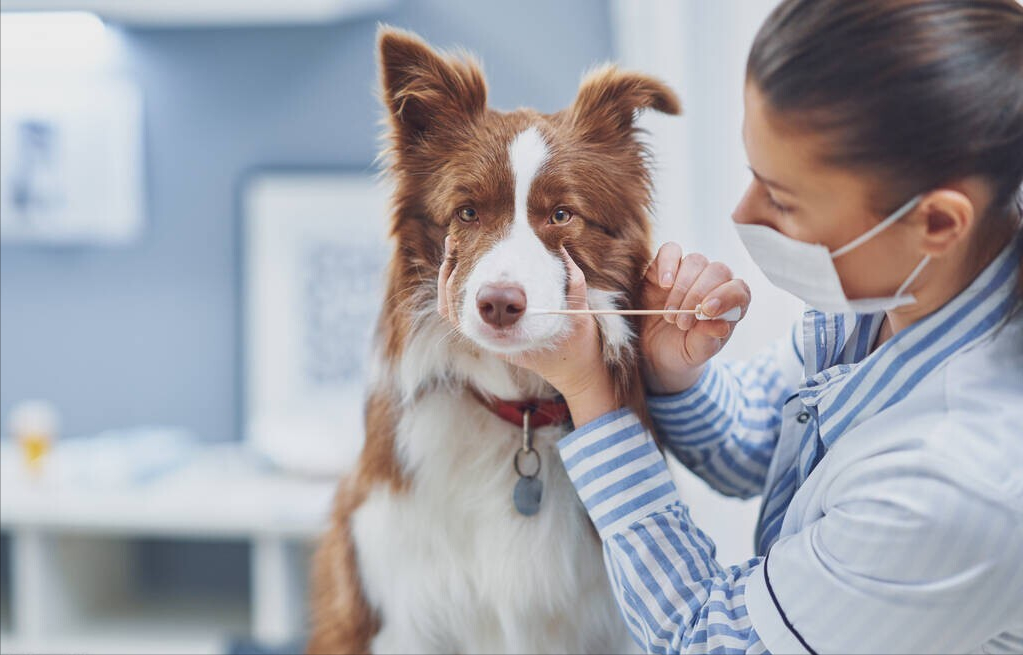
501, 306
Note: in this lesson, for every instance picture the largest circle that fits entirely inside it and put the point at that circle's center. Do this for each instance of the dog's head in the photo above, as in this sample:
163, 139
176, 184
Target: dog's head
512, 188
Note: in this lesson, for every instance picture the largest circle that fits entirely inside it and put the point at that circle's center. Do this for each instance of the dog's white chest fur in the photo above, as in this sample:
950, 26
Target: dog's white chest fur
452, 567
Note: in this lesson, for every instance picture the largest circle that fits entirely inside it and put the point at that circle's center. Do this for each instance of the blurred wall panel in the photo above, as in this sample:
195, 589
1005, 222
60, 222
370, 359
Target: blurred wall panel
150, 333
701, 48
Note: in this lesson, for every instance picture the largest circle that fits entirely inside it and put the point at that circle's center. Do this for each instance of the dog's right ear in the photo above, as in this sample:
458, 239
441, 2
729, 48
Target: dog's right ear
609, 100
424, 90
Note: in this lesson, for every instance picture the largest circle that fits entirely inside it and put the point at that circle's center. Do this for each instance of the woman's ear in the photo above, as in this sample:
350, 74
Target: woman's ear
948, 216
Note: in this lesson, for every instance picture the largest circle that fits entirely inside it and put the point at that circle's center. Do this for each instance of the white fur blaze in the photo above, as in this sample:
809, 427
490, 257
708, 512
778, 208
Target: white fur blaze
521, 259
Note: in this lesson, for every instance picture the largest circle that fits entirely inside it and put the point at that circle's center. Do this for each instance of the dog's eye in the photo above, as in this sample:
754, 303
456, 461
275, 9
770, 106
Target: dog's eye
560, 216
467, 215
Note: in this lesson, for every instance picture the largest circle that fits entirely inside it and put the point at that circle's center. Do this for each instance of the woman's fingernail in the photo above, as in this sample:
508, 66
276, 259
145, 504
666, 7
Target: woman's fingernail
670, 318
666, 279
711, 307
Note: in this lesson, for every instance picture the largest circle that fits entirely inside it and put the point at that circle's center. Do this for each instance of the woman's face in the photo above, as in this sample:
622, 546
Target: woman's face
794, 193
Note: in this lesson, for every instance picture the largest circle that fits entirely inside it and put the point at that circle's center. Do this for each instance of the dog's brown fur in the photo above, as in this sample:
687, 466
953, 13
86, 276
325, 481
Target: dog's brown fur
443, 147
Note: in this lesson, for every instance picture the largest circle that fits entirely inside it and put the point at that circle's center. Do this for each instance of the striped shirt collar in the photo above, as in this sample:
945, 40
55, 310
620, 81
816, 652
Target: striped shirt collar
847, 385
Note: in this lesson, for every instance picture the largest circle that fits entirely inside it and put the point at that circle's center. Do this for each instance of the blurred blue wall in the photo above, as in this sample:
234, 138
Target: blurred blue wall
150, 333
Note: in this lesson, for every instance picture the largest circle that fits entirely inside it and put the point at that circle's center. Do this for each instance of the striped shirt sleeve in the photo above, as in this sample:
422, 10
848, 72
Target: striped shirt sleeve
674, 595
725, 427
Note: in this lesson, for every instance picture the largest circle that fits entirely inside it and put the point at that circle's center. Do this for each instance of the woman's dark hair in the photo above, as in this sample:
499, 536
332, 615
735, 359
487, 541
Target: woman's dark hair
917, 93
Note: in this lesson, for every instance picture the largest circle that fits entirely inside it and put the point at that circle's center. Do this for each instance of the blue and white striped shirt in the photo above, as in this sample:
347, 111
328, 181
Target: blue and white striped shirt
892, 518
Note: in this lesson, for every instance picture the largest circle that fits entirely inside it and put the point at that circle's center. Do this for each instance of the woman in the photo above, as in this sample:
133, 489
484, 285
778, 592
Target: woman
885, 434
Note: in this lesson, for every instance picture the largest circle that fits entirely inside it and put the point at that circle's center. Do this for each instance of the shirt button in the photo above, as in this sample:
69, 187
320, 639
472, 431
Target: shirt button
803, 417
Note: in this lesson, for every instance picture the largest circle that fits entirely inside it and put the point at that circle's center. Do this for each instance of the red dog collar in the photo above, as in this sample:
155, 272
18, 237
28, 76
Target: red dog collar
543, 411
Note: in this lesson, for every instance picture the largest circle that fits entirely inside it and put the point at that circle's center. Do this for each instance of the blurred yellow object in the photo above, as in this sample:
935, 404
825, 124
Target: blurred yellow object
34, 447
34, 425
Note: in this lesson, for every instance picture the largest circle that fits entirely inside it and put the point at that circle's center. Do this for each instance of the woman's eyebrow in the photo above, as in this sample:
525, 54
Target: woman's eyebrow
770, 183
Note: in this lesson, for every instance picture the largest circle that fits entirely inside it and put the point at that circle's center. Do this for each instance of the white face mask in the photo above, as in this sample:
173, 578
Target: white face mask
807, 271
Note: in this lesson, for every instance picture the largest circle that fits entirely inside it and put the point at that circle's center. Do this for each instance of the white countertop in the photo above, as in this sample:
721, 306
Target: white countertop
217, 490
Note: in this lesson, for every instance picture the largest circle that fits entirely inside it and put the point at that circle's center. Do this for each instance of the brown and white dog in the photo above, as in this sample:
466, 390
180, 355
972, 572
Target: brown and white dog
427, 551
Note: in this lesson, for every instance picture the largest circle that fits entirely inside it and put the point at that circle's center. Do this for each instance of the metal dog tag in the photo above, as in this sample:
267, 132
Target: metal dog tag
528, 492
529, 489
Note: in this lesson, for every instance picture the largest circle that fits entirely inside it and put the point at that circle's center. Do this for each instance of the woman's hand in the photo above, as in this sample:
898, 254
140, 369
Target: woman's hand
676, 347
575, 365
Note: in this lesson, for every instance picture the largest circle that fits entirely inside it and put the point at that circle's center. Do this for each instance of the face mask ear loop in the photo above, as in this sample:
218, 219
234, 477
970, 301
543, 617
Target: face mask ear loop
913, 275
869, 234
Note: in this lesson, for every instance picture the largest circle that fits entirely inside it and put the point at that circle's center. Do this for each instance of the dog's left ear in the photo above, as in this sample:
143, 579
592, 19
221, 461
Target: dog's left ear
609, 99
425, 90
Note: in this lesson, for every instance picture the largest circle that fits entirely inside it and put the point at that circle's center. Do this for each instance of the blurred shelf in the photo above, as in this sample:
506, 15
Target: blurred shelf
194, 13
67, 537
141, 625
221, 492
87, 643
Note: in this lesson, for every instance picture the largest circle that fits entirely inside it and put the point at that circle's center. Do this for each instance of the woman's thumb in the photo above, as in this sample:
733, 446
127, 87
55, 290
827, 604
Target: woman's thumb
576, 292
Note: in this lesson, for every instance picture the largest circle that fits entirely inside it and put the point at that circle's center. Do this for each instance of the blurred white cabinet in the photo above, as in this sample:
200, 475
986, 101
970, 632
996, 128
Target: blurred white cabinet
70, 160
209, 12
71, 576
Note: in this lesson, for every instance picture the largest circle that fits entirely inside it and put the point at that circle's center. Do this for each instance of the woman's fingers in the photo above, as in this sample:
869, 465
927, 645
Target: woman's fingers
693, 278
442, 281
710, 278
717, 329
730, 295
576, 291
445, 281
661, 271
733, 293
689, 272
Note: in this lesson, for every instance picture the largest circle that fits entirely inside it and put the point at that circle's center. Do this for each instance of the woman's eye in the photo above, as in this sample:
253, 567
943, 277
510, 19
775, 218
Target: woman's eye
784, 209
467, 215
560, 216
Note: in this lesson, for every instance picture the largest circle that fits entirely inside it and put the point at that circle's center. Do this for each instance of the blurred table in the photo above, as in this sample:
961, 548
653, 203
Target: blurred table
69, 536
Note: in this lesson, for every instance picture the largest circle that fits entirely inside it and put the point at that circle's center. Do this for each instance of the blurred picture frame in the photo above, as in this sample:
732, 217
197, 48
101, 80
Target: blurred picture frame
71, 168
315, 250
